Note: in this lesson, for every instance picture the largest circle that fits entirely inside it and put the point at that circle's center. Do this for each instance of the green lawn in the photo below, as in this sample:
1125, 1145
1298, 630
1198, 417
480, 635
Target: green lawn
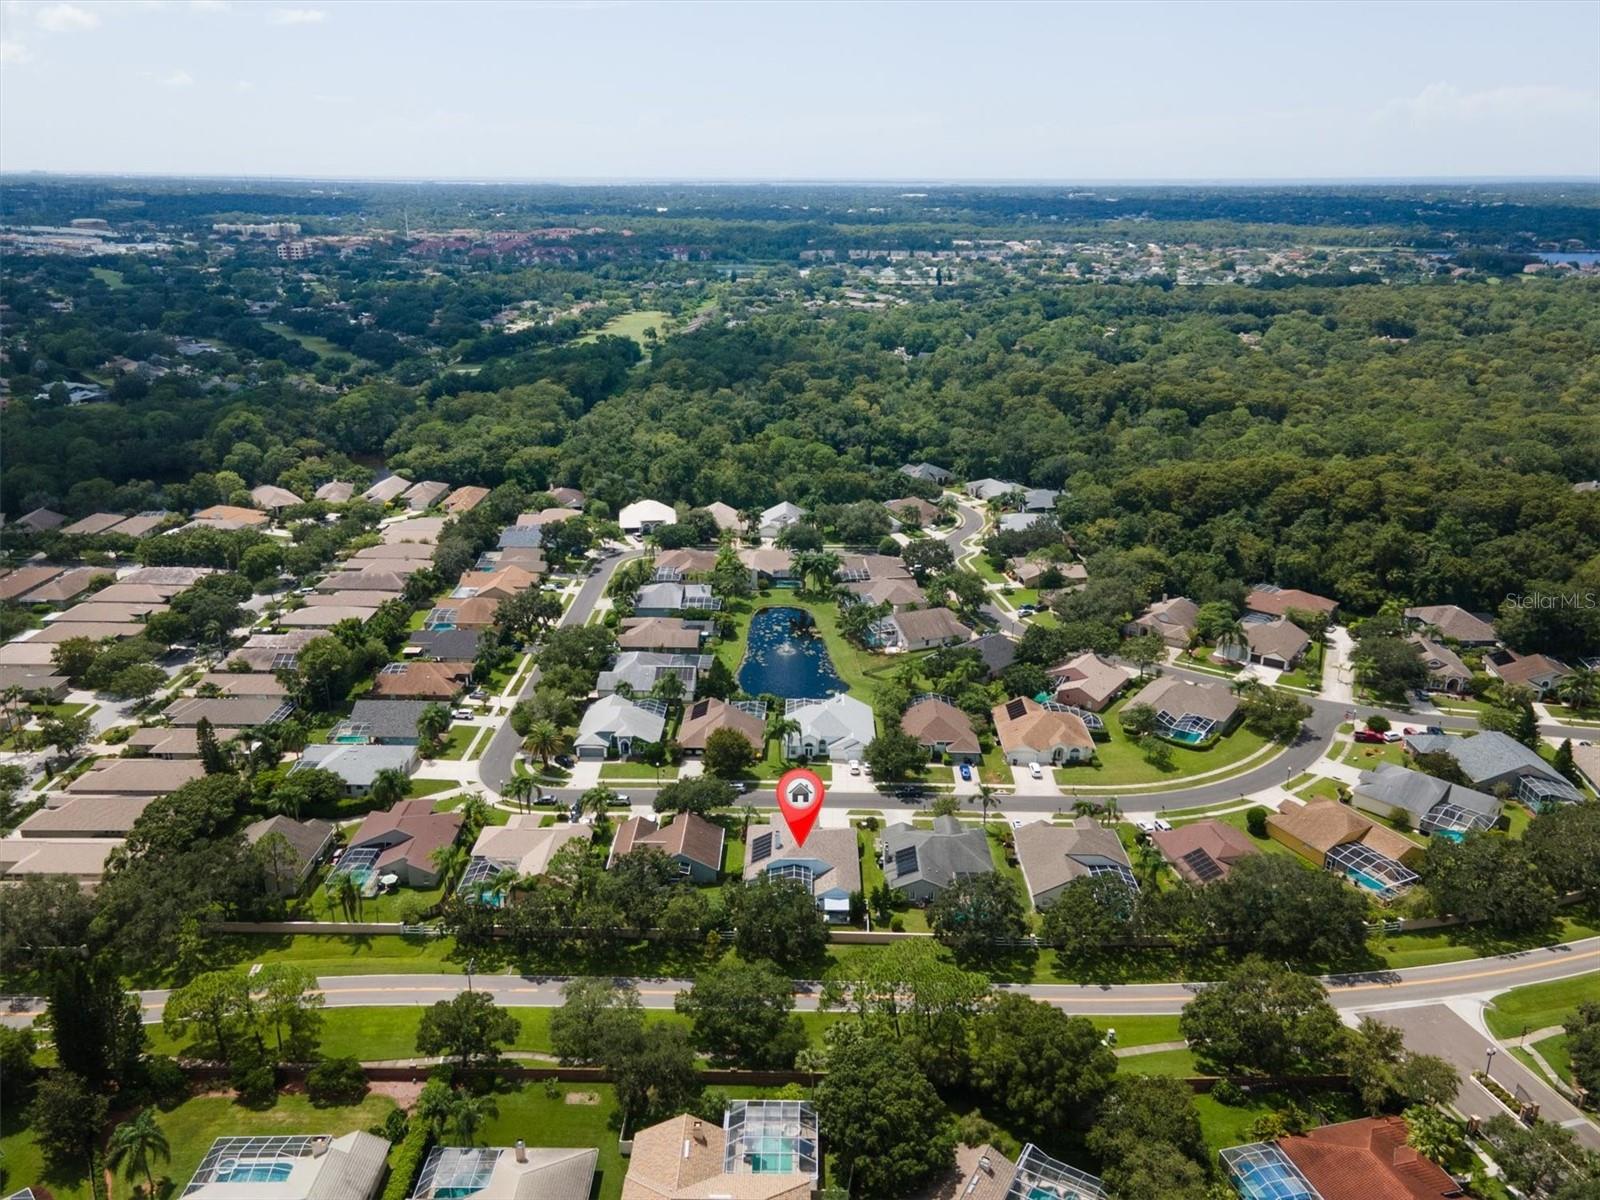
320, 346
630, 325
1119, 762
1140, 1030
1539, 1005
1309, 674
431, 787
191, 1127
637, 772
1554, 1050
456, 741
112, 279
318, 904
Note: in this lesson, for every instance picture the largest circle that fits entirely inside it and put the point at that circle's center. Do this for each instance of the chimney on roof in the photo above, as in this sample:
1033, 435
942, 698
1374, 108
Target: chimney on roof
319, 1146
697, 1132
986, 1165
521, 1150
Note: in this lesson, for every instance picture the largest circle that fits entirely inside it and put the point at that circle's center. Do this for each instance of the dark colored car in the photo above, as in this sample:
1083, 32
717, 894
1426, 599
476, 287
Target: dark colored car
1369, 735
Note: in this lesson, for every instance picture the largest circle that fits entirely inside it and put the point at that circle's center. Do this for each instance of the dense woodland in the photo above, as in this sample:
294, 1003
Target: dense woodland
1414, 438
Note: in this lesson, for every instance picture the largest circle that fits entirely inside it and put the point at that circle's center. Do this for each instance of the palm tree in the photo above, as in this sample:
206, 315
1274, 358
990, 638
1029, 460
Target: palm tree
348, 893
521, 790
779, 727
138, 1142
1580, 689
985, 797
448, 860
668, 687
546, 740
469, 1113
1231, 634
475, 811
389, 785
597, 802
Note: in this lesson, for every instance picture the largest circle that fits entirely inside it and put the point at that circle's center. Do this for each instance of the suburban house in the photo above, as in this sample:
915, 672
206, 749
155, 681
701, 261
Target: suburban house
568, 497
726, 516
476, 612
386, 490
702, 718
1446, 671
521, 537
927, 471
41, 682
666, 599
405, 838
16, 583
62, 586
235, 712
1431, 805
643, 516
241, 683
691, 841
1453, 624
135, 777
445, 645
229, 516
500, 584
914, 511
83, 860
1276, 643
307, 841
440, 681
540, 518
1204, 850
518, 1172
769, 562
919, 629
779, 517
674, 566
1170, 618
941, 729
521, 845
386, 722
1052, 856
764, 1150
1188, 712
335, 491
996, 650
464, 499
273, 499
922, 863
1365, 1159
1048, 733
661, 633
1088, 681
100, 522
1017, 522
992, 489
1039, 499
86, 817
1337, 838
358, 765
1539, 673
838, 728
421, 496
1492, 760
638, 670
616, 725
301, 1166
897, 593
1269, 600
828, 865
983, 1173
159, 741
41, 520
1586, 758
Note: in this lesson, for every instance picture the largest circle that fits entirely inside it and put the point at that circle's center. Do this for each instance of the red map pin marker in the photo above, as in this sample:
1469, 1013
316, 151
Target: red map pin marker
800, 795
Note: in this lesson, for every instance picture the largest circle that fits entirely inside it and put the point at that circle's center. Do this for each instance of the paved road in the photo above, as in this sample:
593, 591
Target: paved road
1411, 987
495, 764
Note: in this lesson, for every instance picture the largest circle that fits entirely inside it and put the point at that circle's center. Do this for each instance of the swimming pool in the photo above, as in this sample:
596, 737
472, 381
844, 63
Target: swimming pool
785, 657
243, 1171
1271, 1181
1362, 879
1189, 737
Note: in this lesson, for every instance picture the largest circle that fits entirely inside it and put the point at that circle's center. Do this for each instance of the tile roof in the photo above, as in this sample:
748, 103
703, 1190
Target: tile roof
689, 836
25, 579
1324, 824
704, 717
1218, 841
1367, 1159
1035, 727
934, 721
1277, 601
64, 586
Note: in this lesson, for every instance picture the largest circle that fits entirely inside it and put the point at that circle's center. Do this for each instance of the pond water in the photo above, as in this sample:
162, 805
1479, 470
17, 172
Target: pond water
786, 657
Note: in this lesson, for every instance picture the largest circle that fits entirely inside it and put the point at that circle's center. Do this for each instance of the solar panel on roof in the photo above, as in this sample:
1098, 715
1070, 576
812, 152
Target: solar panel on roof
699, 709
1205, 867
905, 860
761, 848
1016, 708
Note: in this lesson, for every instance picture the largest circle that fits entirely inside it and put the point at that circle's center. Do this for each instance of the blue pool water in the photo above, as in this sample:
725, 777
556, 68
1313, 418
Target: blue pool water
250, 1172
1367, 881
786, 657
1270, 1181
1450, 835
1189, 737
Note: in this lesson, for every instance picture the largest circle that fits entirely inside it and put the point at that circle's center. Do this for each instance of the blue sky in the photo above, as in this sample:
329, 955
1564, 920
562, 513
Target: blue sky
584, 90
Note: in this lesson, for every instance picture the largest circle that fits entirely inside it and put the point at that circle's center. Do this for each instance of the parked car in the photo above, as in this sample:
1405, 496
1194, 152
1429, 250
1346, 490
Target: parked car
966, 772
1391, 735
1152, 825
462, 714
1369, 735
565, 761
1035, 770
478, 694
855, 767
1438, 731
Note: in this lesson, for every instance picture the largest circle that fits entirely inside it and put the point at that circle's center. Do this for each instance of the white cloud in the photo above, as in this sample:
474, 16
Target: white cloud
244, 85
1445, 102
14, 54
65, 18
177, 79
209, 5
298, 16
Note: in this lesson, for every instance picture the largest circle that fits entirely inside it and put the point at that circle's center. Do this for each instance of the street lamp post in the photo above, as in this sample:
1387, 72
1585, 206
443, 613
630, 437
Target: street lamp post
472, 965
1488, 1064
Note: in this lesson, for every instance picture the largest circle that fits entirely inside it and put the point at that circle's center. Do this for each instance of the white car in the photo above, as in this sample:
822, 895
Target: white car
462, 714
1152, 825
855, 767
1035, 770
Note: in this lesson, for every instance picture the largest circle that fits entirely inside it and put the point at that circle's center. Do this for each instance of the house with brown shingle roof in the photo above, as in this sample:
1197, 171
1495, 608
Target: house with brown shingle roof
827, 864
308, 841
100, 522
81, 859
1088, 681
661, 633
568, 497
465, 499
1333, 835
674, 566
421, 496
14, 584
764, 1150
500, 584
105, 610
1052, 856
385, 490
65, 586
914, 510
1188, 710
1170, 618
230, 516
335, 491
476, 612
941, 728
273, 498
420, 681
406, 837
1273, 601
897, 593
41, 520
87, 817
167, 742
545, 516
691, 841
1538, 672
1203, 851
771, 561
726, 516
921, 629
1279, 644
1031, 732
1454, 623
1446, 671
704, 717
135, 777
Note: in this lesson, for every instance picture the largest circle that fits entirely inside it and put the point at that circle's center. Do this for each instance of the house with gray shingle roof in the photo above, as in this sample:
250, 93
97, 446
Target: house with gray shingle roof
922, 863
927, 471
1052, 856
1431, 805
1492, 760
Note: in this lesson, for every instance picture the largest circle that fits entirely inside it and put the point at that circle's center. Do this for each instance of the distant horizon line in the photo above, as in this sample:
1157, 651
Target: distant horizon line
823, 181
